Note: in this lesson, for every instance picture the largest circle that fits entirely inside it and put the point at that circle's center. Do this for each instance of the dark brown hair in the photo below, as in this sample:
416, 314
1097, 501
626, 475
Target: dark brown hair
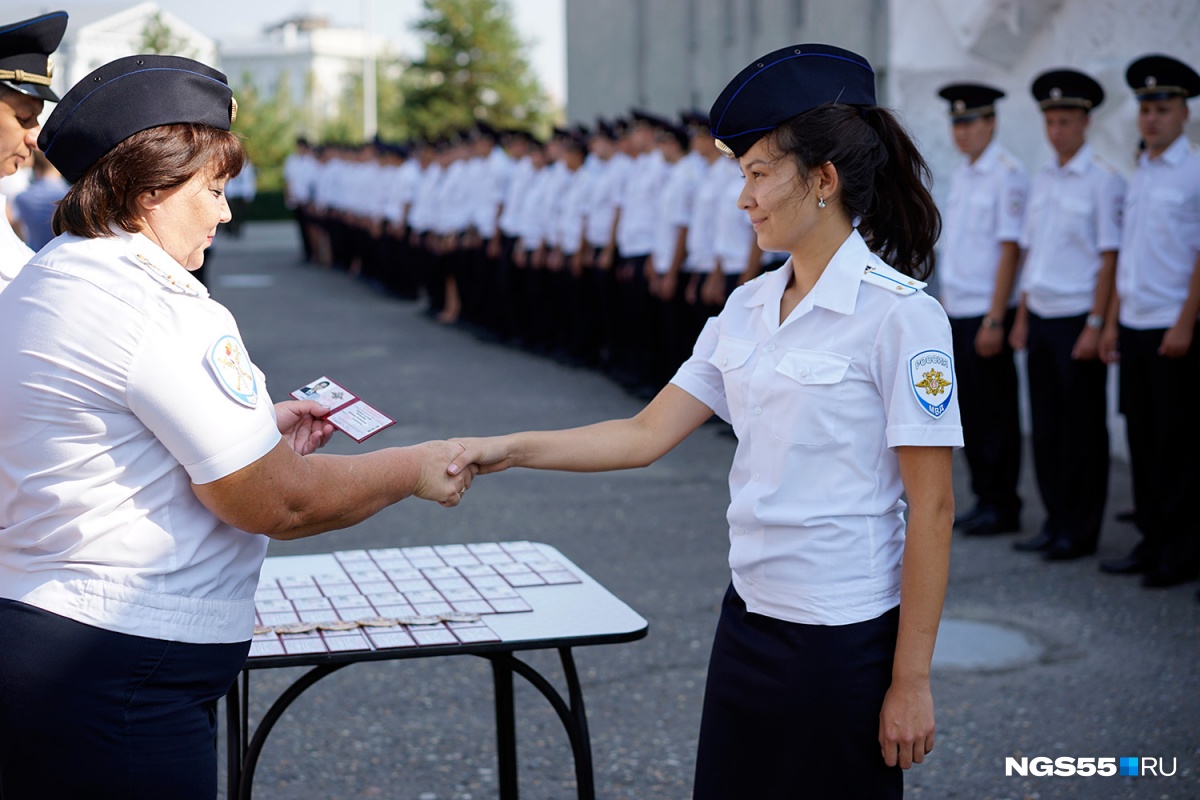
154, 159
884, 180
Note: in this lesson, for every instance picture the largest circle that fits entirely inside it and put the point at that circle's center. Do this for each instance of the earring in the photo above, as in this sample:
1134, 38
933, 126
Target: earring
820, 201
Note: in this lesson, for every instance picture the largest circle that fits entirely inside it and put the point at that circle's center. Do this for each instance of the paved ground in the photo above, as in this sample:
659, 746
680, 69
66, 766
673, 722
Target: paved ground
1118, 672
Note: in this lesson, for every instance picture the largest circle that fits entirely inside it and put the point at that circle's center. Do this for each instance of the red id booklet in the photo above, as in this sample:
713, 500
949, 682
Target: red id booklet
347, 412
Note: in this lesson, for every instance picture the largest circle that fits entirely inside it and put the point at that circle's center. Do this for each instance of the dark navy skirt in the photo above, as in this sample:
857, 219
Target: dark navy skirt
792, 711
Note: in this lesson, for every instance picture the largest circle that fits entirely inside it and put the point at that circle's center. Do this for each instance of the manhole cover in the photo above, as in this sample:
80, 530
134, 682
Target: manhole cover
965, 644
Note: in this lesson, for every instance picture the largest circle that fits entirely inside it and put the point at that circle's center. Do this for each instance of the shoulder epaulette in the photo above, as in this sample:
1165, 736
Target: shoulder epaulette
892, 280
1104, 164
181, 285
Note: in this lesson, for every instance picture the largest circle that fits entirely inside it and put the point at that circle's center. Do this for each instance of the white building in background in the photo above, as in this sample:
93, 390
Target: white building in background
101, 33
318, 62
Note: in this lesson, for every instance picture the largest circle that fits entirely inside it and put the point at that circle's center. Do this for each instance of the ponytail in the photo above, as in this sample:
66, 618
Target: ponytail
884, 180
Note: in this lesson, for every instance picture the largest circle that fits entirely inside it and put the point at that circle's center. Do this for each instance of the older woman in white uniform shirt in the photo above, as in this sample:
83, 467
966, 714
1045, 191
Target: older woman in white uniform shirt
141, 457
836, 373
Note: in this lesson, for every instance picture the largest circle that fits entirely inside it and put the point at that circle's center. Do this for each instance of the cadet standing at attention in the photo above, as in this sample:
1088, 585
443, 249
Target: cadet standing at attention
25, 49
978, 272
1153, 319
1071, 237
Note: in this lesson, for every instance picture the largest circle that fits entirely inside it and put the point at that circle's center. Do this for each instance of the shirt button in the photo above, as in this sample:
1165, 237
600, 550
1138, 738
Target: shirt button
724, 361
771, 348
802, 372
754, 477
758, 411
740, 531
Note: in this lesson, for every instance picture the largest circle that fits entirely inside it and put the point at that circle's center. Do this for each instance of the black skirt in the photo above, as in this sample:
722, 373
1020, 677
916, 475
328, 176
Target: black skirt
792, 711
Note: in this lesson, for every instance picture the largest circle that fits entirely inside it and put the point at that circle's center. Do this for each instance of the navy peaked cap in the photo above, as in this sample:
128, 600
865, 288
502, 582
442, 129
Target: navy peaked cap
1157, 77
970, 100
25, 49
129, 95
1067, 88
784, 84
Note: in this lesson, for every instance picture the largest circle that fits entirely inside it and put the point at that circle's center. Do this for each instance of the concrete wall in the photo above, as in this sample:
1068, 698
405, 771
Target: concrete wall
1009, 42
665, 55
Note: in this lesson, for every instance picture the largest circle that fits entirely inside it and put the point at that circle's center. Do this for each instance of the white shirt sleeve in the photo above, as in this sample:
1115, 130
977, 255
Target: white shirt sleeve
700, 377
175, 392
913, 366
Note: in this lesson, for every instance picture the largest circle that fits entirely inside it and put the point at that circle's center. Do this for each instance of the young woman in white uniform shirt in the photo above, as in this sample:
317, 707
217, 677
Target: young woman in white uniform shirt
836, 372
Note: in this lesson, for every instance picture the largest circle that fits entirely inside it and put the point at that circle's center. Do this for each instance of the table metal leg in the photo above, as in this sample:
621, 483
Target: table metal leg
233, 740
253, 748
506, 726
573, 717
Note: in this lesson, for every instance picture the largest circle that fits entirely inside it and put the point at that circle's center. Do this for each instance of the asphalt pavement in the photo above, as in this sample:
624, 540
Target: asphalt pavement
1037, 659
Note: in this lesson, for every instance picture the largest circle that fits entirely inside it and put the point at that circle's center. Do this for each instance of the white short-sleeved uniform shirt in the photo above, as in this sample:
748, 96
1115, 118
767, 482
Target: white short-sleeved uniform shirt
711, 195
606, 199
861, 366
1074, 217
14, 253
124, 384
1161, 240
639, 204
677, 196
986, 208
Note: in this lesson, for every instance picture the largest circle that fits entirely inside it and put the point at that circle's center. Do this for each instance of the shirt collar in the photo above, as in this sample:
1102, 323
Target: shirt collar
158, 264
1078, 163
836, 289
1173, 155
987, 159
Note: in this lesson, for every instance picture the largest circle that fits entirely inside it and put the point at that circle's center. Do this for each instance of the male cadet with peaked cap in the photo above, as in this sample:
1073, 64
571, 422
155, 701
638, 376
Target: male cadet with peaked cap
25, 71
1153, 317
1071, 237
977, 270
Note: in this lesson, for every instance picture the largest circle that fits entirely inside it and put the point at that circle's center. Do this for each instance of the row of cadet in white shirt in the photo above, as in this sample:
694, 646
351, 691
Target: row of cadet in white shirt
1070, 215
482, 188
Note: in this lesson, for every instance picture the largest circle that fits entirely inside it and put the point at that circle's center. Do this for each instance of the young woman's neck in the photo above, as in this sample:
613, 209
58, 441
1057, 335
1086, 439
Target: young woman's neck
811, 256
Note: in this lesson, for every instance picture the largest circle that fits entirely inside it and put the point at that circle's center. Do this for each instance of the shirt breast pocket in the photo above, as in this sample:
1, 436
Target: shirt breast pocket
1167, 208
981, 213
806, 406
1077, 217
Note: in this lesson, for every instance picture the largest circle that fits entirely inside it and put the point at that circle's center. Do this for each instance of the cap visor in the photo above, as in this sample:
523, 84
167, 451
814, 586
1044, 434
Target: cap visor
33, 90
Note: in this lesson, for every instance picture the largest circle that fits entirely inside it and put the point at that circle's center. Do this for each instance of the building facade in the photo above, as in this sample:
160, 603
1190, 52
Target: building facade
666, 55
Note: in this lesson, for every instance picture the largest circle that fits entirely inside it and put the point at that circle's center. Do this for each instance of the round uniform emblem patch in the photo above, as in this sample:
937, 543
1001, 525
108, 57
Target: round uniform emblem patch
233, 370
932, 373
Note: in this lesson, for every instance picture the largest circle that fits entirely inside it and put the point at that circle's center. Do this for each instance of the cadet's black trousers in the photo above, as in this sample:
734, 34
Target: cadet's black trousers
1159, 400
88, 713
1068, 400
987, 401
792, 711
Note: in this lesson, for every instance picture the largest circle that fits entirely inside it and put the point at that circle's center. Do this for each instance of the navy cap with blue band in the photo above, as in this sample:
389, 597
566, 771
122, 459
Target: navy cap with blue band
784, 84
129, 95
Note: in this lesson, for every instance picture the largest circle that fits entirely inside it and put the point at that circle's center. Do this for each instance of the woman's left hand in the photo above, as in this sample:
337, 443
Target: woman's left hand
302, 425
906, 724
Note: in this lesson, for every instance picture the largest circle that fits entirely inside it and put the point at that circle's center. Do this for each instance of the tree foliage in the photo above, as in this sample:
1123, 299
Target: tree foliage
158, 37
473, 68
268, 126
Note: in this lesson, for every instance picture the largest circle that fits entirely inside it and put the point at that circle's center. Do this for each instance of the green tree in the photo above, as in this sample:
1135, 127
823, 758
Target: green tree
158, 37
268, 127
474, 68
